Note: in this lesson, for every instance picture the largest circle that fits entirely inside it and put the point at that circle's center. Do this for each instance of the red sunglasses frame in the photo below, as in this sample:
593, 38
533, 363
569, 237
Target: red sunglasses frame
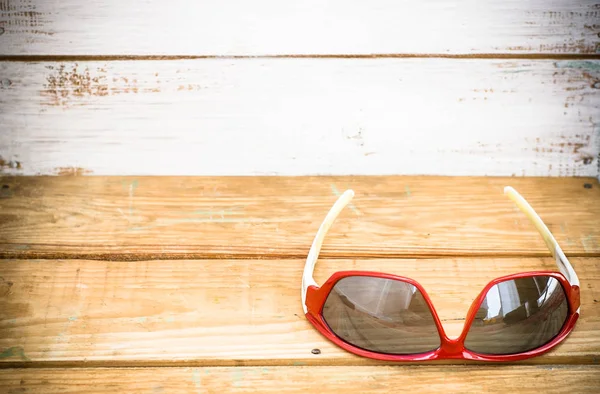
449, 348
314, 297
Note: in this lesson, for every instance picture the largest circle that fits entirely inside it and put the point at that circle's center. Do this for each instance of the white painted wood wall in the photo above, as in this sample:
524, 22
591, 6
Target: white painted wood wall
213, 87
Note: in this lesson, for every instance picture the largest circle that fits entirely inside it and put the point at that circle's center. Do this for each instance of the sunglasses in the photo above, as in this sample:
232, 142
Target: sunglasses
389, 317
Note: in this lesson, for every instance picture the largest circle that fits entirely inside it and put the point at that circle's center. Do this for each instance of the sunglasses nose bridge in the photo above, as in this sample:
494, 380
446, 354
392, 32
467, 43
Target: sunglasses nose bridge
452, 348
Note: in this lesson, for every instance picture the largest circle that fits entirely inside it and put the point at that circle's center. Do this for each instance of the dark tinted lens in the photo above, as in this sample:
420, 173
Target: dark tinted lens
381, 315
518, 315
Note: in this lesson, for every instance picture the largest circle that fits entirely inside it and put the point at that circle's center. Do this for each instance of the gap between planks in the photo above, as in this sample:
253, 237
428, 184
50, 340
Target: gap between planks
131, 257
559, 362
508, 56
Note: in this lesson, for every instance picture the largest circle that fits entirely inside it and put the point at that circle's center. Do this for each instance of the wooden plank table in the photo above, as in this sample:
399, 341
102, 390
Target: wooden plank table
164, 284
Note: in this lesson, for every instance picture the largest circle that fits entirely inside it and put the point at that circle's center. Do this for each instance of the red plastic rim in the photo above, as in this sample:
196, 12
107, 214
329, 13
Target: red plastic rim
449, 348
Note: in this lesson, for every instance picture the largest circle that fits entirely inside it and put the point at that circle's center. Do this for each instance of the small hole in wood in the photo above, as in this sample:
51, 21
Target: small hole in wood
5, 186
596, 85
1, 31
316, 351
13, 164
587, 185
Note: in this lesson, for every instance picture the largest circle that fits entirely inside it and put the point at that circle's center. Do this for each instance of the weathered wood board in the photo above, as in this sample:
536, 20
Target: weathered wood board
229, 312
302, 379
136, 218
301, 117
272, 27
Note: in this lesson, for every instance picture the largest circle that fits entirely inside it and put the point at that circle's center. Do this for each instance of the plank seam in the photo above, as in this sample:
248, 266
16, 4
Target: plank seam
407, 365
250, 256
527, 56
106, 364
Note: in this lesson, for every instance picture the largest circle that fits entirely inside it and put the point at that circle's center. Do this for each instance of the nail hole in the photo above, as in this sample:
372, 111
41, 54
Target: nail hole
587, 185
316, 351
6, 83
5, 186
11, 164
588, 160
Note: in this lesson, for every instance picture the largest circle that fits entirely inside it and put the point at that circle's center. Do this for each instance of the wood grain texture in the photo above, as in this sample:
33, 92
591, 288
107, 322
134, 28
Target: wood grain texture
273, 217
228, 312
271, 27
381, 379
301, 117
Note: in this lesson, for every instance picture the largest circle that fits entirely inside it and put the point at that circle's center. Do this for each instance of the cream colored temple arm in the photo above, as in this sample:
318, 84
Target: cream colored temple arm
561, 260
313, 254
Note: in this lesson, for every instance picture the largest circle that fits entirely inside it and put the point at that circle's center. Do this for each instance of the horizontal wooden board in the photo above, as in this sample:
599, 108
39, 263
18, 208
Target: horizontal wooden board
301, 117
271, 217
228, 312
271, 27
381, 379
